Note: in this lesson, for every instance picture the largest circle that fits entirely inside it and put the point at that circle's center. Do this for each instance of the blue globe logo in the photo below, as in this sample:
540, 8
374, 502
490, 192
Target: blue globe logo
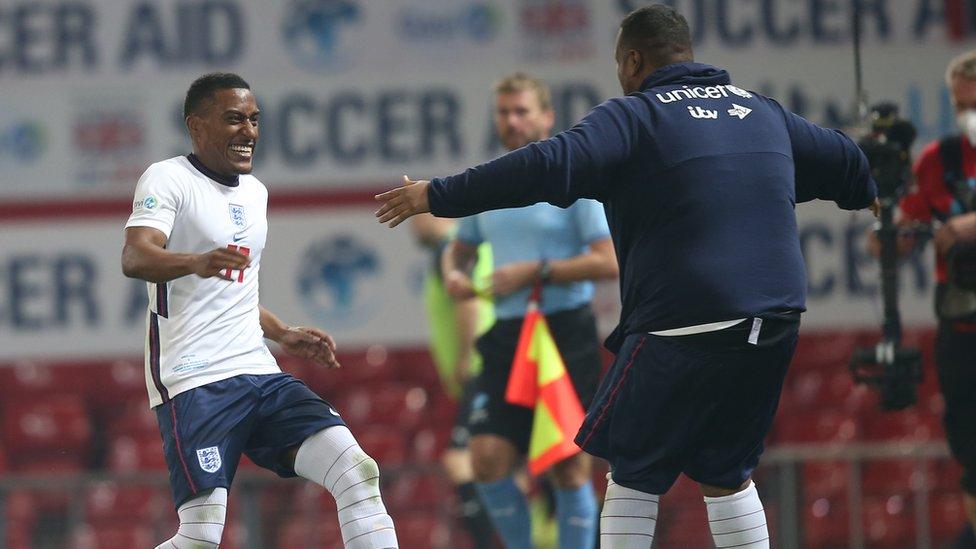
150, 202
311, 30
339, 281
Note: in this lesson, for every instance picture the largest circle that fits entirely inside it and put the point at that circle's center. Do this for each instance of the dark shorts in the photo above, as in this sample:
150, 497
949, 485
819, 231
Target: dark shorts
576, 337
698, 404
955, 356
205, 430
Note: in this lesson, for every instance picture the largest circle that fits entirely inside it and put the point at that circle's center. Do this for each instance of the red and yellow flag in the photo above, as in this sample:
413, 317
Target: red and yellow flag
539, 380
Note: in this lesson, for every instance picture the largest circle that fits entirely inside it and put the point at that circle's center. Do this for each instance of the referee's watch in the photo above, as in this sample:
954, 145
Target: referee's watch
545, 271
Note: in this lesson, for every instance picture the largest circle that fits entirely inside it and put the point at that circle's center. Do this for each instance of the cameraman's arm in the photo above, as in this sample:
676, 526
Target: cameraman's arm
959, 229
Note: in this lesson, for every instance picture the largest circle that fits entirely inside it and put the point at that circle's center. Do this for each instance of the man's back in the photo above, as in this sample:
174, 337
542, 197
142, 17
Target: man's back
699, 179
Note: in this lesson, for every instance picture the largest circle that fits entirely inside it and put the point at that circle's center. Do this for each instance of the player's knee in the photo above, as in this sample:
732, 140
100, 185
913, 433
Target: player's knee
572, 472
359, 483
718, 491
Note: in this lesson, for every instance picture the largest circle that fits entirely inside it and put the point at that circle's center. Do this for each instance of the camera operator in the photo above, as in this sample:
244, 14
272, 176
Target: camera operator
943, 194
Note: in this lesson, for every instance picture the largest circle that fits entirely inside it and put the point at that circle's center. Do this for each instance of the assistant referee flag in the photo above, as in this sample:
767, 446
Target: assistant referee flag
539, 380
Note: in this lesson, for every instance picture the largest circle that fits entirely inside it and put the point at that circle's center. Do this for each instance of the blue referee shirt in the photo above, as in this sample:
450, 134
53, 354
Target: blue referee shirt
534, 233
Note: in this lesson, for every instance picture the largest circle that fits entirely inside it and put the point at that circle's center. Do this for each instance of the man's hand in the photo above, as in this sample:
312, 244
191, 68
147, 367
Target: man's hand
311, 344
960, 228
514, 276
403, 202
458, 285
219, 263
875, 208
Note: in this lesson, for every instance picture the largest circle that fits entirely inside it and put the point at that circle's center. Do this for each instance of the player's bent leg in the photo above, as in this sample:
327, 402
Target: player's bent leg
628, 519
493, 459
201, 521
736, 517
576, 509
333, 459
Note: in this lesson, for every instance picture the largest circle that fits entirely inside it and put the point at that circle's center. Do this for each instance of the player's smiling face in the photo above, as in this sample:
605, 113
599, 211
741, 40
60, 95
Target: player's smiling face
225, 131
520, 118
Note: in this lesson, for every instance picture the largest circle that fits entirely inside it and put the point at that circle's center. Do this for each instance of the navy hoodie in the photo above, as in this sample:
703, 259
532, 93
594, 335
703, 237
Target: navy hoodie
699, 180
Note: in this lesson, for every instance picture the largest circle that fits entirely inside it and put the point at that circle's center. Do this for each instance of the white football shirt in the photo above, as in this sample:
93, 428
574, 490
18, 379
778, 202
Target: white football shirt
202, 330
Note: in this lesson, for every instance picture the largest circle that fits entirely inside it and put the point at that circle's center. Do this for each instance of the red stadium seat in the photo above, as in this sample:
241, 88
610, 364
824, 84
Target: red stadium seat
417, 491
3, 460
55, 424
948, 516
86, 536
423, 530
904, 426
947, 475
816, 426
816, 389
299, 532
121, 386
825, 523
415, 366
390, 404
825, 479
683, 524
896, 476
144, 453
889, 521
427, 445
386, 445
107, 502
134, 419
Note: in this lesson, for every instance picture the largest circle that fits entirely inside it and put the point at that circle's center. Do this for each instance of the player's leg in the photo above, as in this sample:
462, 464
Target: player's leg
201, 521
575, 333
460, 471
299, 433
743, 388
576, 509
631, 423
204, 432
499, 437
334, 460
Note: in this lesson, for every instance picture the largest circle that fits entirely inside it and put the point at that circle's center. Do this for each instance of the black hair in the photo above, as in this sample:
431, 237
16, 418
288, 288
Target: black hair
659, 32
203, 89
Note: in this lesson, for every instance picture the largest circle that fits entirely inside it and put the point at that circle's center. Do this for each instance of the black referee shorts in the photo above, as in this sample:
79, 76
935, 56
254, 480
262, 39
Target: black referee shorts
576, 337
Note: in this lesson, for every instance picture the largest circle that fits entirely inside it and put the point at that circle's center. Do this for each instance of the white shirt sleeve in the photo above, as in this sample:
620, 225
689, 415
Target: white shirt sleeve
157, 200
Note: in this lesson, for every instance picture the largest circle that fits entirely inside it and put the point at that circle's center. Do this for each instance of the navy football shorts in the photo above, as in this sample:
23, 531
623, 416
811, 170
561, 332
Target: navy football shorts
697, 404
205, 430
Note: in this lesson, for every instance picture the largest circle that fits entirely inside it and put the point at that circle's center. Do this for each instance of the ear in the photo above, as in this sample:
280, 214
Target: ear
635, 62
549, 119
193, 123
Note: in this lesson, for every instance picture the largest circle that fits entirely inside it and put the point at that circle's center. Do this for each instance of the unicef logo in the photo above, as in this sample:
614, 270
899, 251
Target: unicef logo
340, 281
311, 31
738, 91
149, 203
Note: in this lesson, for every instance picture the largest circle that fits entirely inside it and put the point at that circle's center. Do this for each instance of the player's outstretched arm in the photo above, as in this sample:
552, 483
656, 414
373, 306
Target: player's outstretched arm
144, 256
300, 341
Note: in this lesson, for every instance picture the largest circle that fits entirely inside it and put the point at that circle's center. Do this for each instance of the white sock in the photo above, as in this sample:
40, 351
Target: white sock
201, 521
333, 459
738, 520
628, 518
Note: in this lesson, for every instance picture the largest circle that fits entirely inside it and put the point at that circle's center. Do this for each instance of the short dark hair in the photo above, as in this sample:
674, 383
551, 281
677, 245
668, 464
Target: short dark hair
659, 32
203, 89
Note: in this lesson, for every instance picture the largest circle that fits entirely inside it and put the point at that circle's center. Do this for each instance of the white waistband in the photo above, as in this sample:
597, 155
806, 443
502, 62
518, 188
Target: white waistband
699, 328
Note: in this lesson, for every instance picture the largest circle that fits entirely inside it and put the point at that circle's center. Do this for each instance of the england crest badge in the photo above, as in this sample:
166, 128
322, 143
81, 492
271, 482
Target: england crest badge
237, 215
209, 459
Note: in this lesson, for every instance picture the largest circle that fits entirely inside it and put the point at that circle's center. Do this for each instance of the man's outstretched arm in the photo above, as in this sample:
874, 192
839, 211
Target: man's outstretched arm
301, 341
573, 164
